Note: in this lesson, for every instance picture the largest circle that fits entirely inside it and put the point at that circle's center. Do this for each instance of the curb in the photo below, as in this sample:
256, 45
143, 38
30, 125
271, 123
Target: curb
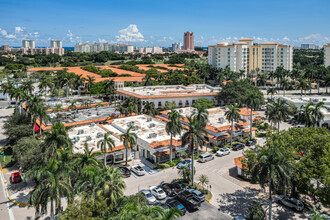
209, 200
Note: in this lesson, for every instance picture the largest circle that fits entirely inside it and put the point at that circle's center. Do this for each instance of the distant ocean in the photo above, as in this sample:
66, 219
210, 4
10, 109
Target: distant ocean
65, 48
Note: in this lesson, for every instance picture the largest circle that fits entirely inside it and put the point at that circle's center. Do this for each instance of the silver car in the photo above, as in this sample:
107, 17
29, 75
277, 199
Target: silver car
149, 197
157, 192
222, 152
205, 157
291, 202
138, 170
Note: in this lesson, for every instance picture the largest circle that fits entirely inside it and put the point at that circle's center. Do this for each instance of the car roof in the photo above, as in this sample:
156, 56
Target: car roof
144, 191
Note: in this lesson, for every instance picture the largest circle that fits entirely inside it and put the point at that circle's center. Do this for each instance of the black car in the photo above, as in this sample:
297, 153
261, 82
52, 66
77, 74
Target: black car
238, 146
175, 203
180, 186
190, 201
251, 142
163, 205
170, 189
125, 171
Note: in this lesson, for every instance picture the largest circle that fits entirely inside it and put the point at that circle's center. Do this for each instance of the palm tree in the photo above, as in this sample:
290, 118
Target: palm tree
72, 105
194, 137
277, 111
52, 185
202, 116
149, 108
173, 127
284, 84
42, 115
28, 87
317, 113
203, 180
253, 100
88, 158
274, 170
90, 82
305, 115
271, 91
56, 138
45, 83
232, 114
106, 143
271, 76
20, 97
129, 140
256, 212
138, 210
109, 89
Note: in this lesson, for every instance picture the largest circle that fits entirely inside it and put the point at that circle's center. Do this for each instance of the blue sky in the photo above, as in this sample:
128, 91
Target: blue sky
162, 22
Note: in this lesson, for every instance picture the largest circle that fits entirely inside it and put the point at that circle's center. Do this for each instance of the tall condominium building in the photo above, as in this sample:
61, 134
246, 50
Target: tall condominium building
28, 43
55, 43
95, 47
188, 41
327, 55
176, 46
247, 56
150, 50
82, 48
121, 48
309, 46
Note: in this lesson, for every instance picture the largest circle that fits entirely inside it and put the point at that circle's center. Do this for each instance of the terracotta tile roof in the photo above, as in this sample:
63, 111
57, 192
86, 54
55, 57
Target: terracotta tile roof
165, 143
238, 161
248, 129
166, 92
165, 96
246, 112
242, 123
45, 68
121, 71
245, 39
121, 147
79, 106
257, 118
225, 82
166, 152
120, 79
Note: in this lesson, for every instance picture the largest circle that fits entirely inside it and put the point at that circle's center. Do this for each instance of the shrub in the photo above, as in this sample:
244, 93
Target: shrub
163, 166
215, 148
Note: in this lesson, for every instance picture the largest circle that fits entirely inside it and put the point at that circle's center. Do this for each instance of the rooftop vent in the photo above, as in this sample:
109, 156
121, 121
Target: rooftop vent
130, 124
99, 134
80, 131
152, 135
149, 119
88, 138
92, 124
180, 110
221, 120
152, 125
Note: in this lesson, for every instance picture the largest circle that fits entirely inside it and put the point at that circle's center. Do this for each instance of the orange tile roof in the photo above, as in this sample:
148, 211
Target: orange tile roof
257, 118
79, 106
248, 129
246, 39
45, 68
166, 92
121, 71
166, 152
165, 143
246, 112
225, 82
238, 161
165, 96
242, 123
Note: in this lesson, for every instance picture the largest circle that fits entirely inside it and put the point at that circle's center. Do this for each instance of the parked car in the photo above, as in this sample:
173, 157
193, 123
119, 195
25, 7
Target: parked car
157, 192
198, 194
291, 202
205, 157
16, 177
180, 186
149, 197
239, 218
138, 170
125, 171
238, 146
222, 152
170, 189
184, 163
300, 126
251, 142
175, 203
189, 200
163, 205
52, 99
263, 108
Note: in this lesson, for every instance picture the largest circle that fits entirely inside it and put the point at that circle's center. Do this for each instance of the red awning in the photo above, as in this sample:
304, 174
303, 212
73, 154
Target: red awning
36, 128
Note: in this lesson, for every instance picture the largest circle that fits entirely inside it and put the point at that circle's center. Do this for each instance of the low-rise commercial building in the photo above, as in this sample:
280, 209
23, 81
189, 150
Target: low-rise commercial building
179, 95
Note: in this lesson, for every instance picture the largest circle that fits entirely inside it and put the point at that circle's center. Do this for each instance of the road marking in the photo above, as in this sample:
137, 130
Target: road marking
5, 191
133, 175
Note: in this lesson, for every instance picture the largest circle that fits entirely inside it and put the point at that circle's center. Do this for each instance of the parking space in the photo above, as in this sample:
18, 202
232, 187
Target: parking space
207, 212
148, 169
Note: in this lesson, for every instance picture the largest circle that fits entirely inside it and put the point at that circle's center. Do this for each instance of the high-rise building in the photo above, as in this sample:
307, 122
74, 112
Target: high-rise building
28, 44
55, 43
150, 50
176, 46
309, 46
188, 41
82, 48
96, 47
120, 48
327, 55
247, 56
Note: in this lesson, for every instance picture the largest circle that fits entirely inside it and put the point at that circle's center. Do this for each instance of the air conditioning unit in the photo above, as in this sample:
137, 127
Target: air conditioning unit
180, 111
88, 138
130, 124
149, 119
99, 134
80, 131
92, 124
152, 125
135, 128
152, 135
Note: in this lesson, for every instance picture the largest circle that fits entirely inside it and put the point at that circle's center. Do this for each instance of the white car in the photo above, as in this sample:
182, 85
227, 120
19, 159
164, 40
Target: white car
222, 152
149, 197
157, 192
291, 202
138, 170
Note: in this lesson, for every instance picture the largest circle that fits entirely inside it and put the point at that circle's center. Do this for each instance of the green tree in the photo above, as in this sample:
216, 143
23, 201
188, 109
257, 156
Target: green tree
273, 169
254, 101
232, 114
277, 111
256, 211
106, 143
88, 158
203, 180
203, 103
173, 127
194, 137
129, 140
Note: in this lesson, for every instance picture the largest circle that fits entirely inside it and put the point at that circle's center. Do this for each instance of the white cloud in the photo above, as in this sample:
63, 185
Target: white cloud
3, 32
72, 38
19, 30
130, 34
102, 41
11, 36
286, 38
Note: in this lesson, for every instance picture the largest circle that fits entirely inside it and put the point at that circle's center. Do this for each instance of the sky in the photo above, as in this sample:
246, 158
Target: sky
163, 22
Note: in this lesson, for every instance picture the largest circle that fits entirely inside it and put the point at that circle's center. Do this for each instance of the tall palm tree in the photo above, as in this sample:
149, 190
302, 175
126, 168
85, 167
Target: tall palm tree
173, 127
271, 91
56, 138
52, 185
138, 210
274, 170
232, 114
88, 158
284, 84
109, 88
149, 108
129, 140
317, 113
202, 116
253, 100
305, 115
194, 137
277, 111
28, 87
106, 143
20, 97
90, 82
44, 84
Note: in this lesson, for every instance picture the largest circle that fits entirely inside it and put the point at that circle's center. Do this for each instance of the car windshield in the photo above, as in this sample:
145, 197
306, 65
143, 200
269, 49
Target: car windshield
198, 193
139, 168
201, 157
148, 195
160, 191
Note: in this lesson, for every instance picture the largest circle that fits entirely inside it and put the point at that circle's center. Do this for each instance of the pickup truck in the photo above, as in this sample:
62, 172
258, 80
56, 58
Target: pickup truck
189, 200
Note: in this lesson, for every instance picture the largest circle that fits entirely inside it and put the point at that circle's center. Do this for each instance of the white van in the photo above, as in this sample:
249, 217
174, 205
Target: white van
205, 157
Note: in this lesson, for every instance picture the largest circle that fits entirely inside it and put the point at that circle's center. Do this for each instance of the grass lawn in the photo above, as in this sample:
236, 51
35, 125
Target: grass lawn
9, 160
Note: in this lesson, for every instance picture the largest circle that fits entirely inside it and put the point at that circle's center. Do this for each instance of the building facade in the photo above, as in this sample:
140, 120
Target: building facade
82, 48
176, 46
188, 41
309, 46
327, 55
28, 43
146, 50
248, 56
55, 43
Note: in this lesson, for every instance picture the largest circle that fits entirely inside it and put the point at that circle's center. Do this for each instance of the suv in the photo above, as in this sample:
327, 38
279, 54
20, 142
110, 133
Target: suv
125, 171
16, 177
138, 170
170, 188
222, 152
189, 200
291, 202
157, 192
175, 203
197, 194
205, 157
238, 146
251, 142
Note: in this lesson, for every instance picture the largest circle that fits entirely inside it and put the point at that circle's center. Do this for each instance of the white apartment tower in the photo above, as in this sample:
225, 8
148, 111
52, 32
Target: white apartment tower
55, 43
247, 56
28, 43
327, 55
82, 48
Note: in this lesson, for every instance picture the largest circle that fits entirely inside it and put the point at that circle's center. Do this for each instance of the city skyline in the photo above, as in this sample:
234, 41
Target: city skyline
150, 23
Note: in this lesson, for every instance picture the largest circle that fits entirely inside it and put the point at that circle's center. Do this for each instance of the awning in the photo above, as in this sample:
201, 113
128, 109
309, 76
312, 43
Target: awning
36, 128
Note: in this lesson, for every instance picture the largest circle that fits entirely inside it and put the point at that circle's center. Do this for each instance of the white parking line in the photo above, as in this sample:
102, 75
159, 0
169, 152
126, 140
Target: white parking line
5, 191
